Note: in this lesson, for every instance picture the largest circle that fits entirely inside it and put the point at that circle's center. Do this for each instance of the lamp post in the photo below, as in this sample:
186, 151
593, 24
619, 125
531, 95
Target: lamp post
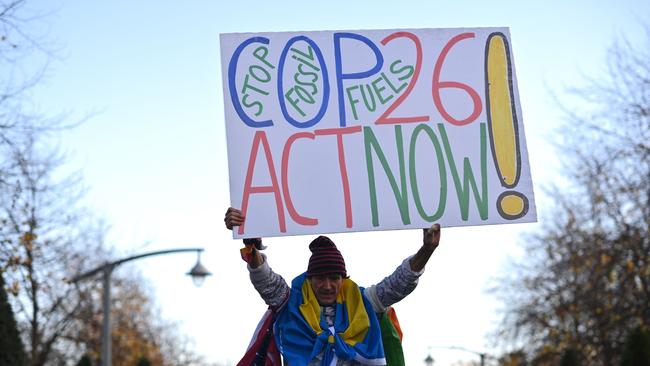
482, 355
198, 274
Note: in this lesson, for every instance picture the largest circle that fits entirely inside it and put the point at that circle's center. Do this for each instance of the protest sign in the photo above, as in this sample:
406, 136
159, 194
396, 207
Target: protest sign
339, 131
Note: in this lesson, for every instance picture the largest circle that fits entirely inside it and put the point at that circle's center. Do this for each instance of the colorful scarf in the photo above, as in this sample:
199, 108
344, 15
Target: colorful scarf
391, 337
302, 333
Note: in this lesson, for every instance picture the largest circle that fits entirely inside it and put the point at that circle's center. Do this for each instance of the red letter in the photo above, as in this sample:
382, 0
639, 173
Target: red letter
260, 136
302, 220
384, 118
339, 132
437, 85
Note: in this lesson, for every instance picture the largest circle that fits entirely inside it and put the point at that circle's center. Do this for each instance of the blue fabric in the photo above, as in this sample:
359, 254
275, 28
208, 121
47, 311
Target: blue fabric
299, 343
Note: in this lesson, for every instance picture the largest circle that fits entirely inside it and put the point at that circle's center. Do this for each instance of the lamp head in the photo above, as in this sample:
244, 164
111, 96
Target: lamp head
199, 272
428, 361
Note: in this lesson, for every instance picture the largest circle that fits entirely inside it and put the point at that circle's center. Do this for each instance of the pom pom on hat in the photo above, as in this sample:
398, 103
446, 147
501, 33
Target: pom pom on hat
325, 258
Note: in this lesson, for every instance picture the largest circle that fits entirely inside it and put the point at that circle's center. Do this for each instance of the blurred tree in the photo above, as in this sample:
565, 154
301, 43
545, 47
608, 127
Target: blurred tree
134, 333
637, 348
11, 347
25, 52
143, 361
46, 236
85, 361
42, 232
571, 357
466, 363
138, 330
514, 358
585, 281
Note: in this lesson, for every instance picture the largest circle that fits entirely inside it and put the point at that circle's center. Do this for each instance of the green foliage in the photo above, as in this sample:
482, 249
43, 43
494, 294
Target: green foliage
85, 361
11, 347
143, 361
571, 357
637, 349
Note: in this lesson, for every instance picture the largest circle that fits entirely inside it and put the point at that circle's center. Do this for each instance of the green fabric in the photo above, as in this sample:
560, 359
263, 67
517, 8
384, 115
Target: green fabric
392, 342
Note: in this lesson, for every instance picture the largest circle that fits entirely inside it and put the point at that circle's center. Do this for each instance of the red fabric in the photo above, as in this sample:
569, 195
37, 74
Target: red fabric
256, 352
246, 253
393, 318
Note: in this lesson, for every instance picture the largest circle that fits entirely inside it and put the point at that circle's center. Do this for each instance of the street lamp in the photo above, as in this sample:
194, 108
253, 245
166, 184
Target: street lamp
198, 274
428, 361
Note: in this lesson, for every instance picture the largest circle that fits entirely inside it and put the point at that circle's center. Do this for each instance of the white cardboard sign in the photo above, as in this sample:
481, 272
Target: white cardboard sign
339, 131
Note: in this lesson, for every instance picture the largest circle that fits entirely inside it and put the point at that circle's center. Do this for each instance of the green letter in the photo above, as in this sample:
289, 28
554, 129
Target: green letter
294, 102
352, 100
442, 173
401, 195
468, 177
378, 90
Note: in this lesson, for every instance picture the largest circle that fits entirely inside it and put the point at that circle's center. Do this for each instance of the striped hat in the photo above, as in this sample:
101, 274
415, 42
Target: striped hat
325, 258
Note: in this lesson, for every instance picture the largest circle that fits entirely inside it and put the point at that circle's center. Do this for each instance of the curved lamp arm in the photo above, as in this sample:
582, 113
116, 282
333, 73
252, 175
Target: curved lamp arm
112, 265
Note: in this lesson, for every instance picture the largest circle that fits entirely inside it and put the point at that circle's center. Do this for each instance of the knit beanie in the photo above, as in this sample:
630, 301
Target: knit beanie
325, 258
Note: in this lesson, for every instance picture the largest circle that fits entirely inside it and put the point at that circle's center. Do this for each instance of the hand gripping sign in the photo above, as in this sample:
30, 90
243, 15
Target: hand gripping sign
338, 131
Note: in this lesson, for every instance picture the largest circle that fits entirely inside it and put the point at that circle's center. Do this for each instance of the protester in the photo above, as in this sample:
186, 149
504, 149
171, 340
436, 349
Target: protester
324, 318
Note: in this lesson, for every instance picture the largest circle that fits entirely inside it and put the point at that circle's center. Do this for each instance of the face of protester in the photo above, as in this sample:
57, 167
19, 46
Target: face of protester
326, 288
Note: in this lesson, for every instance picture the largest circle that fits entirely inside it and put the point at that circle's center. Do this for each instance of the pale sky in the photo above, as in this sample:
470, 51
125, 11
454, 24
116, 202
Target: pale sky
153, 153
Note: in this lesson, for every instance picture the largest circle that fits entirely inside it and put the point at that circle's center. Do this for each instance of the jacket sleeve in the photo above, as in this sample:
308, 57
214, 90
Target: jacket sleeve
271, 286
394, 287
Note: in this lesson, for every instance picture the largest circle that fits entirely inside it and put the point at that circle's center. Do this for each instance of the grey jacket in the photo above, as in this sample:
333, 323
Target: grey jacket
274, 291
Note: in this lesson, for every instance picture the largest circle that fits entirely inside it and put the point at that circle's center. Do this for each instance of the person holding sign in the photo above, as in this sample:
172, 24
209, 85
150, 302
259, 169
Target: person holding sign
324, 318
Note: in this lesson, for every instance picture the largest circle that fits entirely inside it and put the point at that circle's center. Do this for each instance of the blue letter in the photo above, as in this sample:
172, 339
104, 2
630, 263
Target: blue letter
356, 75
232, 73
326, 84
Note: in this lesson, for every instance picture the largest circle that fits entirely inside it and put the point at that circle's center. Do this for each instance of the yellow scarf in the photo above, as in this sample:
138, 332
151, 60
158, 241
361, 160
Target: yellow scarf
350, 296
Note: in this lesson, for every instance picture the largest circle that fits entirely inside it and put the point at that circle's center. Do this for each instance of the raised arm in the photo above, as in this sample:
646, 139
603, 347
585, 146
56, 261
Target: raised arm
405, 278
271, 286
430, 241
234, 217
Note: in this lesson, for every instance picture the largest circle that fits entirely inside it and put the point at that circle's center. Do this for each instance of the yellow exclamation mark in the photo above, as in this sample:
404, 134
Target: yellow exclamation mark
502, 120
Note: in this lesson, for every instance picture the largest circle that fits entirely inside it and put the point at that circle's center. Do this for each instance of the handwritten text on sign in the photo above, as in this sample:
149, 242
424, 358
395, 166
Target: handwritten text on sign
374, 130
